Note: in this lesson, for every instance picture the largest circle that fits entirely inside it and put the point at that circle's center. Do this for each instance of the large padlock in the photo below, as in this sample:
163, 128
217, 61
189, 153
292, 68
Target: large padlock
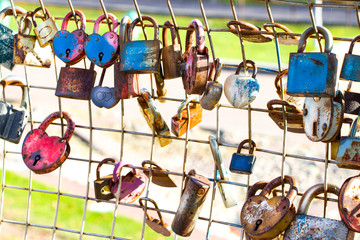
179, 122
243, 163
310, 227
191, 202
103, 96
297, 101
285, 39
159, 176
264, 218
195, 61
102, 184
249, 32
103, 50
158, 225
27, 50
46, 30
153, 117
69, 47
313, 74
13, 119
240, 91
42, 153
226, 190
141, 56
351, 65
171, 54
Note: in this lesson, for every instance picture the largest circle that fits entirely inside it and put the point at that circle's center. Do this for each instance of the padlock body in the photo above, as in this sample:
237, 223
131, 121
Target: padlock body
351, 68
46, 31
352, 102
6, 47
132, 186
212, 95
102, 188
312, 74
240, 91
179, 126
171, 57
12, 122
103, 97
242, 163
69, 47
126, 84
294, 120
157, 226
348, 154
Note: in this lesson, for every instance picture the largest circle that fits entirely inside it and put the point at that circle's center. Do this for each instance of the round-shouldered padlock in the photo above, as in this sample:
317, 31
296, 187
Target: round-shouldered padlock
247, 31
283, 39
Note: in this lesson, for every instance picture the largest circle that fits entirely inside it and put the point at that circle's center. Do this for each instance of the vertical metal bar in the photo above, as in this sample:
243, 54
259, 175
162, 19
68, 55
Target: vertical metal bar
326, 177
3, 176
174, 22
14, 13
43, 8
73, 12
356, 5
314, 24
106, 14
139, 16
208, 30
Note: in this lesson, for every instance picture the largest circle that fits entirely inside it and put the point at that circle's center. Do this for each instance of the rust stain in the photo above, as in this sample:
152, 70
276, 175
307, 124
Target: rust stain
317, 62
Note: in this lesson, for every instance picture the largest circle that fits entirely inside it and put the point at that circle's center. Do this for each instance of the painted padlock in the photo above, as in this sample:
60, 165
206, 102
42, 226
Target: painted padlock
103, 96
297, 101
243, 163
285, 39
239, 90
43, 153
141, 56
179, 122
103, 50
46, 30
195, 61
313, 74
191, 202
132, 184
13, 119
159, 176
350, 69
311, 227
352, 101
226, 190
263, 217
69, 47
153, 117
102, 184
171, 54
249, 32
158, 225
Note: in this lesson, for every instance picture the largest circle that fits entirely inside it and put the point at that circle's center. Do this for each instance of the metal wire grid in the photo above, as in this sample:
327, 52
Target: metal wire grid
187, 140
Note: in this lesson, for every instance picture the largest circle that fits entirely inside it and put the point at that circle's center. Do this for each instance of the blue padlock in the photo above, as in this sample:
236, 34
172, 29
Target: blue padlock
313, 74
243, 163
351, 66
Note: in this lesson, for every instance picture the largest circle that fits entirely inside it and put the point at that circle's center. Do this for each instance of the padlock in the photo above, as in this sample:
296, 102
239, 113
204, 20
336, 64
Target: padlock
335, 143
226, 190
285, 39
264, 218
13, 119
132, 184
75, 83
160, 83
213, 89
103, 96
310, 227
141, 56
240, 91
102, 184
103, 50
191, 202
159, 176
158, 225
297, 101
180, 121
243, 163
195, 61
42, 153
352, 101
153, 117
126, 84
27, 50
294, 116
70, 47
351, 64
249, 32
171, 54
312, 74
45, 31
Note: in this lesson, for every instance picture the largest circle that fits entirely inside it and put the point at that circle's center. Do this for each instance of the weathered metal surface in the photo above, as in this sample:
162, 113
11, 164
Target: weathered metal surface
297, 101
42, 153
171, 54
191, 202
352, 102
46, 30
350, 69
282, 39
243, 163
247, 32
102, 184
337, 118
160, 176
126, 84
104, 97
160, 83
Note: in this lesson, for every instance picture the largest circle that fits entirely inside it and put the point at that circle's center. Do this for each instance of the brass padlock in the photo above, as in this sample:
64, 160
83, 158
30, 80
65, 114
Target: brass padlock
171, 54
285, 39
249, 32
102, 184
159, 175
46, 30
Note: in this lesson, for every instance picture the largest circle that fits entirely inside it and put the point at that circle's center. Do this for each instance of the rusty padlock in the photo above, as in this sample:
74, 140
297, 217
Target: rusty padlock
103, 96
285, 39
243, 163
171, 54
297, 101
180, 121
350, 68
191, 202
249, 32
46, 30
159, 176
102, 184
195, 61
158, 225
263, 217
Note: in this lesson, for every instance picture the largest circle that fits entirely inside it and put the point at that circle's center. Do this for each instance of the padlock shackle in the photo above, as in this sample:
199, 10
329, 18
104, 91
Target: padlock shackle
168, 24
288, 106
352, 44
68, 16
184, 104
309, 31
152, 106
26, 17
55, 115
280, 75
15, 80
141, 200
268, 26
243, 26
195, 29
252, 64
293, 190
44, 15
114, 22
106, 160
354, 127
254, 188
311, 193
251, 150
215, 70
151, 163
117, 169
144, 18
8, 12
124, 25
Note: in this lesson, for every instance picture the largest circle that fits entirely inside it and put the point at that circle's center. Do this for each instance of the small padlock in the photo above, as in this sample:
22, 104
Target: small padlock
191, 202
243, 163
352, 101
158, 225
310, 227
195, 61
102, 184
160, 84
70, 47
240, 91
263, 217
249, 32
13, 119
46, 30
42, 153
313, 74
283, 38
171, 54
351, 65
141, 56
297, 101
159, 176
180, 121
103, 96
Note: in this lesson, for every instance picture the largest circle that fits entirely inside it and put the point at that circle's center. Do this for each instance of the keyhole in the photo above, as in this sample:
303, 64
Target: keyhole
258, 223
37, 158
315, 124
67, 52
101, 54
